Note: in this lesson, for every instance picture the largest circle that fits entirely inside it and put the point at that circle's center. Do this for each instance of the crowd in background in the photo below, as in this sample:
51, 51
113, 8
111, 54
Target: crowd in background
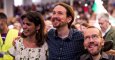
83, 11
85, 17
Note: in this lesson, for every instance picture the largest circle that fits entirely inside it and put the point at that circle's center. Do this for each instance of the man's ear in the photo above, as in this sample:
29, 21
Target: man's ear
38, 27
85, 44
103, 42
69, 19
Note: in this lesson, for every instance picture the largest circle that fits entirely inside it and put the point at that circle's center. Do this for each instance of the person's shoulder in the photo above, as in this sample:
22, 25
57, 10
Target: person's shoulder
13, 30
108, 56
18, 43
113, 27
111, 57
84, 56
19, 40
76, 32
51, 32
112, 30
45, 46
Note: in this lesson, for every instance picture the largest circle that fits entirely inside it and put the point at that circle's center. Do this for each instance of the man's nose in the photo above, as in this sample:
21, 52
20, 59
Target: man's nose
24, 26
91, 39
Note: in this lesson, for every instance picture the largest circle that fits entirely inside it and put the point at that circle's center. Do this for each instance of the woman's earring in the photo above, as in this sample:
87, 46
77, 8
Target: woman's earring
36, 31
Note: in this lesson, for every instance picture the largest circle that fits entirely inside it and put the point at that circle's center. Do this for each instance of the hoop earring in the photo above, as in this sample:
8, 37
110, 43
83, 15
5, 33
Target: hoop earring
36, 31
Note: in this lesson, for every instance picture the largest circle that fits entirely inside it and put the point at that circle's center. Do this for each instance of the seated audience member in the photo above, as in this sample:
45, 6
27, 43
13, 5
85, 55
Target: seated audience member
108, 31
94, 43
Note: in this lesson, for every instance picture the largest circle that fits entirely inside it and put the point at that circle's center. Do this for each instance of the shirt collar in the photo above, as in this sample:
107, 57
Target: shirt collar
103, 56
107, 30
69, 36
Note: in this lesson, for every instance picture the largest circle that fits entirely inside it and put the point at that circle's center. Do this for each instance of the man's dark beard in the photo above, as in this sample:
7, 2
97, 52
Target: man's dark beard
95, 54
61, 25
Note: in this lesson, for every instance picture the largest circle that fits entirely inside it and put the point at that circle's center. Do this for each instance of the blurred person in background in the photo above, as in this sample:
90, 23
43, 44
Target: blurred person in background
81, 20
17, 25
81, 27
107, 29
112, 17
6, 37
48, 24
77, 26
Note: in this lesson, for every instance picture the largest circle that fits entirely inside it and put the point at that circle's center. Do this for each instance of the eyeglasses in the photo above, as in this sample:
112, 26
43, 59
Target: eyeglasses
94, 37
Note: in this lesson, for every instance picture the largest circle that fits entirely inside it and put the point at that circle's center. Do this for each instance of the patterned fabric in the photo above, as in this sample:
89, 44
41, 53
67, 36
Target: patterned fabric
20, 52
70, 48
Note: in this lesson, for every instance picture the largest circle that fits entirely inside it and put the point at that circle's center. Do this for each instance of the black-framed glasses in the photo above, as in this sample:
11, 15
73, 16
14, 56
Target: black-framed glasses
93, 36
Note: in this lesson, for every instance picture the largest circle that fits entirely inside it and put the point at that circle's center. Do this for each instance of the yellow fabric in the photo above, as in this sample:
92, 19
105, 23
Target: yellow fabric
12, 33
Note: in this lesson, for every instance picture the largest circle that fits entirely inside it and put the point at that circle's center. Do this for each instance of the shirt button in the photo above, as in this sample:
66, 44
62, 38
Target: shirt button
59, 58
60, 48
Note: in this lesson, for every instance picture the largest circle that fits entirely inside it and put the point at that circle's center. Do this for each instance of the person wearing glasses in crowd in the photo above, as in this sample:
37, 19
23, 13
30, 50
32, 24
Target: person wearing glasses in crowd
94, 43
108, 31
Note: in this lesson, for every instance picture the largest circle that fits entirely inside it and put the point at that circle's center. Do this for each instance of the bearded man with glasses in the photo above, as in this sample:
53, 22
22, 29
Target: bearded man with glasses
94, 43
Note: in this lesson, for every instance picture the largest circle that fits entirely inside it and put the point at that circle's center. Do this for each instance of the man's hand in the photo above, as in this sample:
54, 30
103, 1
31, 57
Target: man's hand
111, 52
13, 43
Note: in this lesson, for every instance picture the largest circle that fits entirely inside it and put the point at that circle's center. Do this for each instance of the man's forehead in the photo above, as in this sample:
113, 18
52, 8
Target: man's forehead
91, 31
60, 8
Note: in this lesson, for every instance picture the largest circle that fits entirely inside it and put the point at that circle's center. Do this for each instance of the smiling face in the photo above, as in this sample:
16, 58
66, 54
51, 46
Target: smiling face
93, 41
59, 17
29, 28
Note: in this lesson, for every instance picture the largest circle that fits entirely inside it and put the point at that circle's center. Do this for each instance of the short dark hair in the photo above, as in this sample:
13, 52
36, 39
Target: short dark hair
3, 16
85, 24
100, 33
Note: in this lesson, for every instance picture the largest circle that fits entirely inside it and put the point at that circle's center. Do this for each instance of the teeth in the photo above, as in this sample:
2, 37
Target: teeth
92, 45
25, 31
55, 20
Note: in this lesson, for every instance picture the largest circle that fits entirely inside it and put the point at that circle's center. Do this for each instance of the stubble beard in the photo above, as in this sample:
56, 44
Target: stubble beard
61, 25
